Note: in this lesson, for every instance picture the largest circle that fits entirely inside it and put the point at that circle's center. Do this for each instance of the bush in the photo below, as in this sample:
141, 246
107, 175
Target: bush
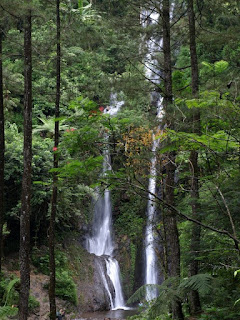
66, 287
41, 261
33, 303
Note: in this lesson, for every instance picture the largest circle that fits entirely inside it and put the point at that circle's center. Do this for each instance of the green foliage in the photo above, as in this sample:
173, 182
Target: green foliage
236, 273
33, 303
129, 222
219, 313
41, 260
172, 289
100, 54
11, 296
66, 287
8, 311
5, 230
200, 282
47, 127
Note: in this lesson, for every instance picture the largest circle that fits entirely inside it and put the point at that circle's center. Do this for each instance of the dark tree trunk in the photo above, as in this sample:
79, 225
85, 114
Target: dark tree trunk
2, 148
170, 223
193, 49
52, 299
194, 300
26, 180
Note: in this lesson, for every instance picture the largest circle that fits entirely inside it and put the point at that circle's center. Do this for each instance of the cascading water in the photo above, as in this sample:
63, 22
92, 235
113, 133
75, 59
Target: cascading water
101, 241
153, 45
151, 270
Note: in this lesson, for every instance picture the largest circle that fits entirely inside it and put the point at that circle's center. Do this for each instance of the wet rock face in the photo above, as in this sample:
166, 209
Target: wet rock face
101, 299
92, 295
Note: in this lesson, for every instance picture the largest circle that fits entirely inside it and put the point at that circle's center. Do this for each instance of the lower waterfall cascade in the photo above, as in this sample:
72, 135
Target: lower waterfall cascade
101, 241
151, 270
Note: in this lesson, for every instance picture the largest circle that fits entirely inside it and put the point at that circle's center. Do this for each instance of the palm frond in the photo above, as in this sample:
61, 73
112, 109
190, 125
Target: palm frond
48, 125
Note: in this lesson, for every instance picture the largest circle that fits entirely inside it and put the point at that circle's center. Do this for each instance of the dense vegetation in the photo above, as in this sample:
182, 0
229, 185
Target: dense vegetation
102, 53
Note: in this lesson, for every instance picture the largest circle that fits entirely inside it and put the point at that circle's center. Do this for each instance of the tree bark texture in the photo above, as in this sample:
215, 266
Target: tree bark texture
52, 283
170, 223
27, 168
167, 58
194, 299
193, 49
2, 155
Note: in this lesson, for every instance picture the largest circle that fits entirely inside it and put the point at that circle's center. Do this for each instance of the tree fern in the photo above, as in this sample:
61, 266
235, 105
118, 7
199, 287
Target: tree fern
48, 125
172, 289
141, 292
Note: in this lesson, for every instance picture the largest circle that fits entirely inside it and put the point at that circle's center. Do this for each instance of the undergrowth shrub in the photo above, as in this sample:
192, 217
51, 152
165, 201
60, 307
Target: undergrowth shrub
40, 260
65, 286
33, 303
218, 313
9, 297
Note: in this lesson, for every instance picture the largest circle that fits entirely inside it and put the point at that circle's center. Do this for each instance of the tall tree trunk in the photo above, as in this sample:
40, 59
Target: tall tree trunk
170, 223
2, 148
27, 168
194, 300
52, 299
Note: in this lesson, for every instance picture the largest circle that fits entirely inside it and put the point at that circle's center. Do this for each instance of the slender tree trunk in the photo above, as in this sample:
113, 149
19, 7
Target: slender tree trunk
52, 299
27, 168
194, 299
170, 223
2, 148
193, 52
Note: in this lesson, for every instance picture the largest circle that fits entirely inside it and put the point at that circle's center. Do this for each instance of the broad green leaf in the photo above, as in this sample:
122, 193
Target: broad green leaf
220, 66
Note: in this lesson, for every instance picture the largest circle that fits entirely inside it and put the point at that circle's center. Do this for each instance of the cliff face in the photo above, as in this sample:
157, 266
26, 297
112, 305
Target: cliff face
91, 293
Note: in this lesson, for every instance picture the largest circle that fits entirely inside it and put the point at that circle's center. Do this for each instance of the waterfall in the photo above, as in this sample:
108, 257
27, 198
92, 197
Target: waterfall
151, 269
153, 44
101, 241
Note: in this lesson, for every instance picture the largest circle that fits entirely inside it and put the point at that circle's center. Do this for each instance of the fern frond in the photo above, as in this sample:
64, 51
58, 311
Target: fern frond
6, 312
237, 301
9, 289
141, 293
201, 282
168, 287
